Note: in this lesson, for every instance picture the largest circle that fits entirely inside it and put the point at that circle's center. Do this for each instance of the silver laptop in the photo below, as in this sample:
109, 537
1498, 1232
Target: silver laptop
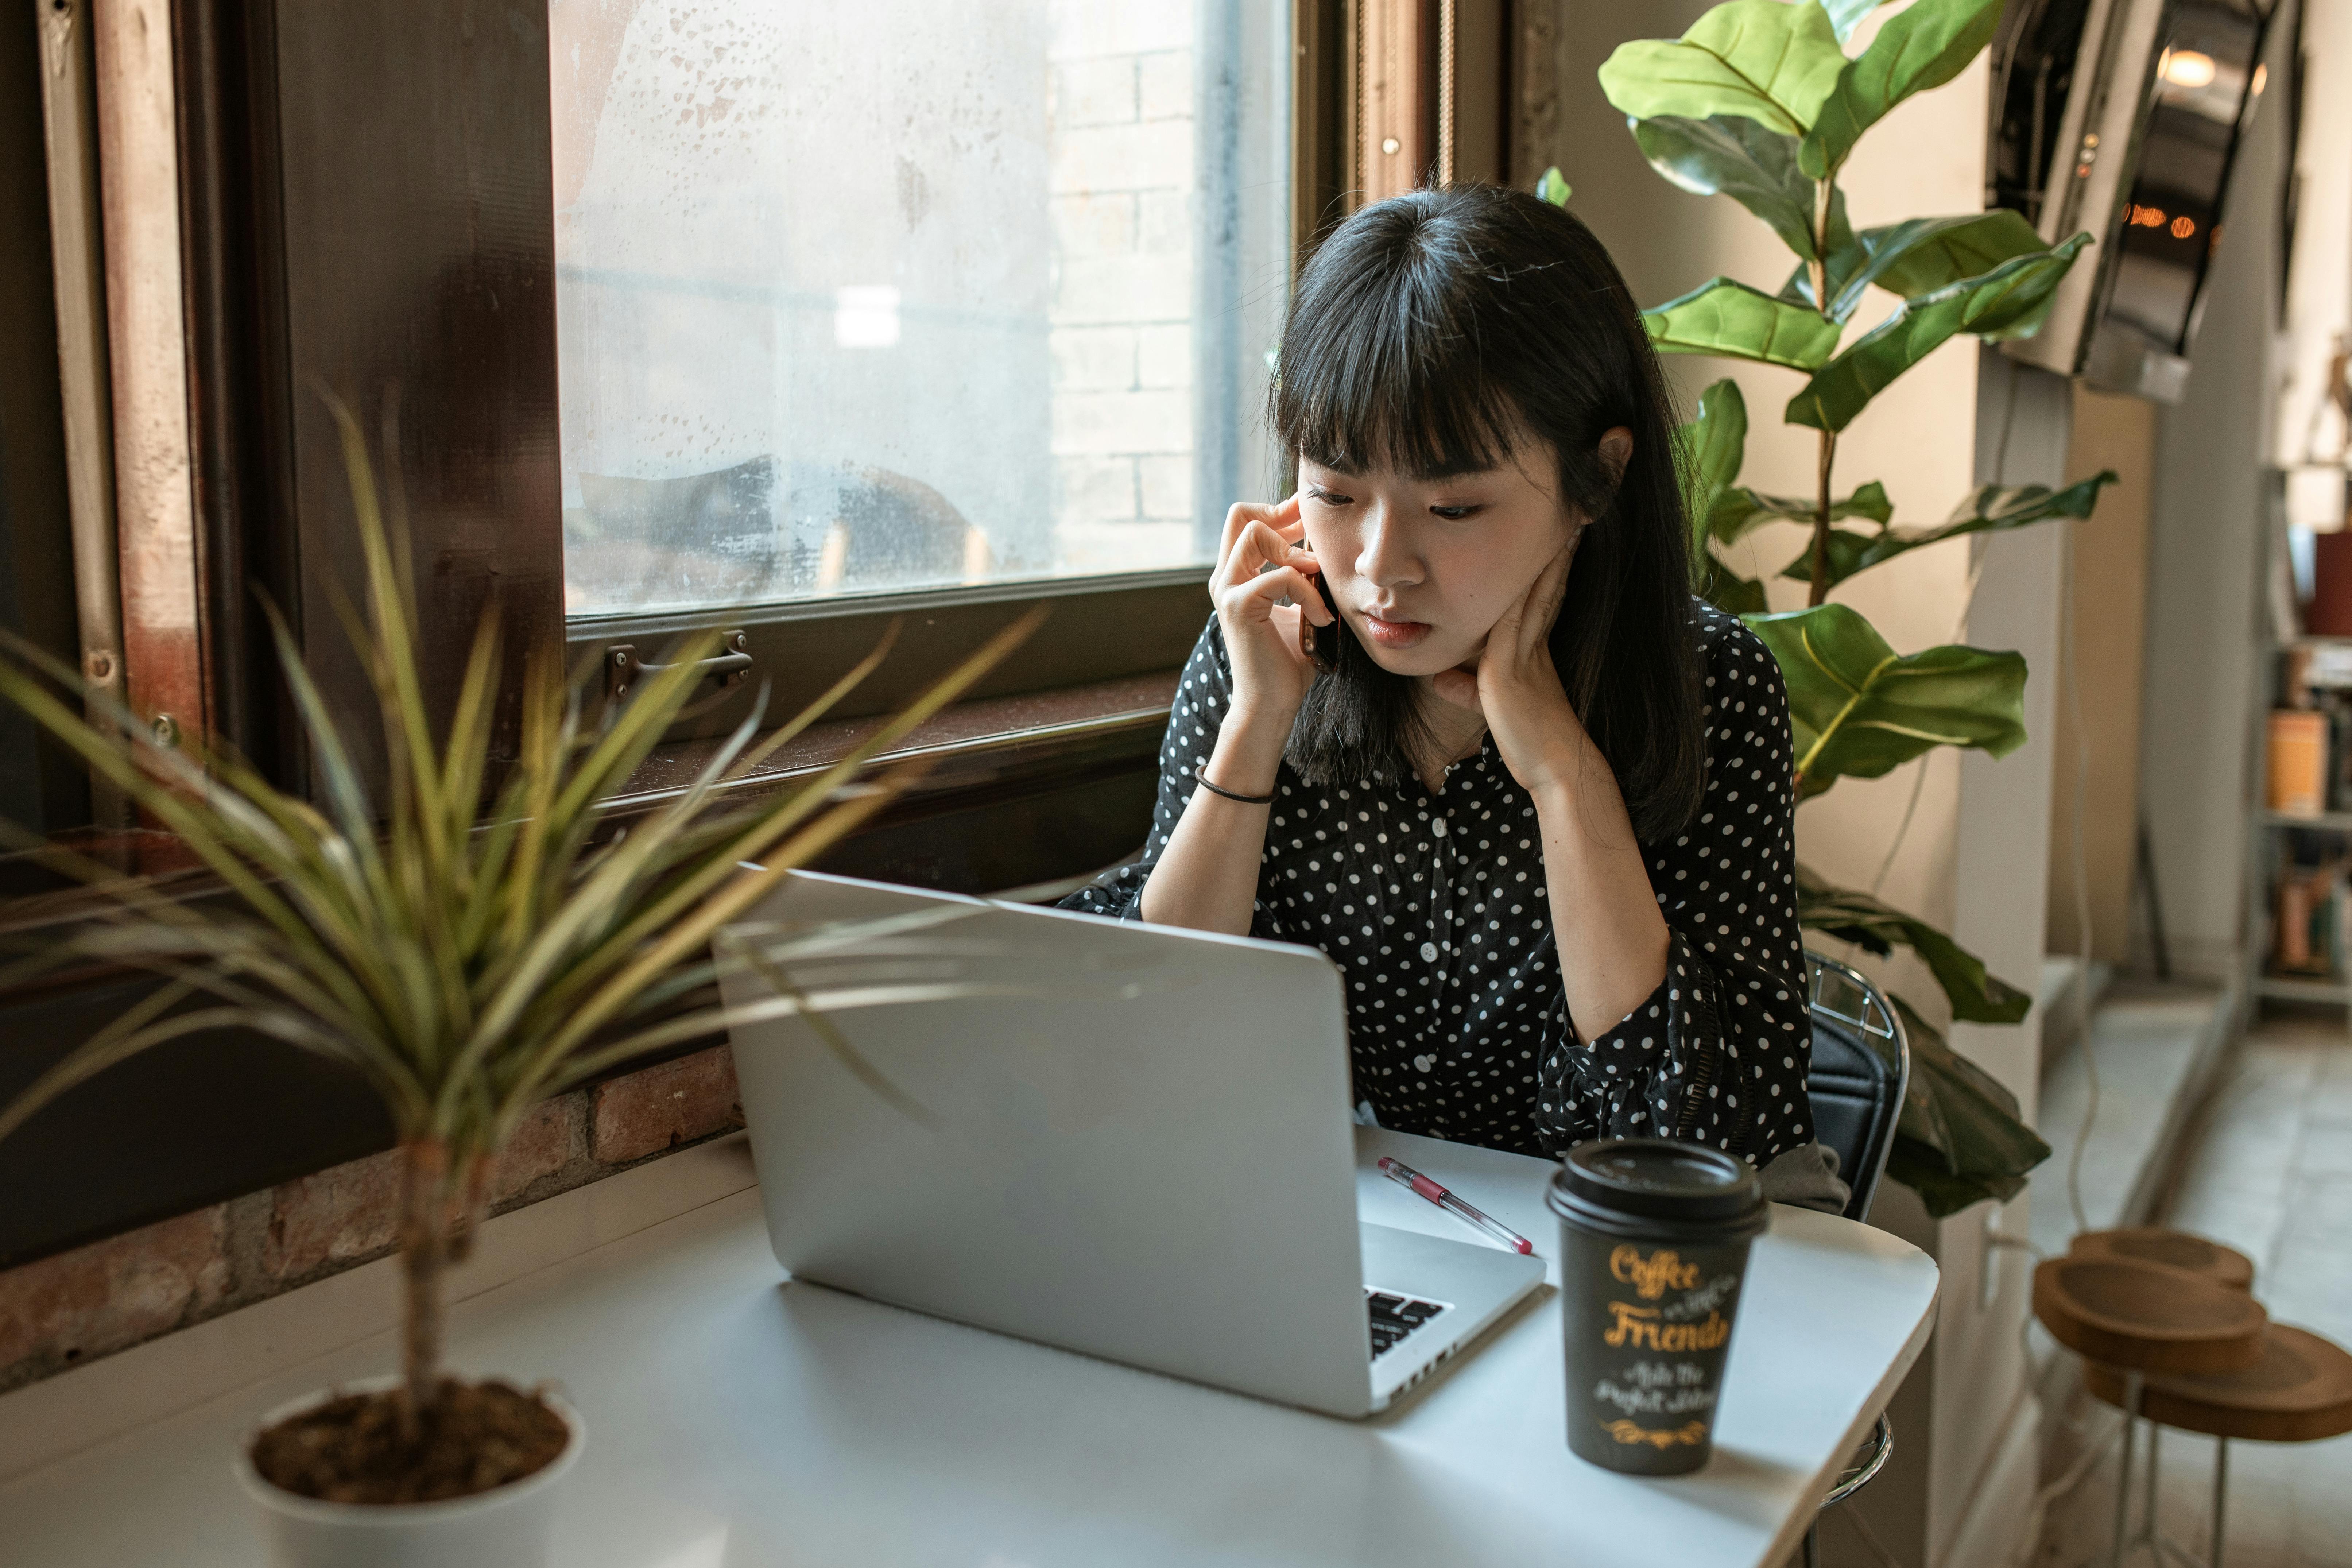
1138, 1145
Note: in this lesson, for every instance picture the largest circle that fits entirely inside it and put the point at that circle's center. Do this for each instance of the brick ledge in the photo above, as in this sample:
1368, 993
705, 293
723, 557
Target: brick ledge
74, 1308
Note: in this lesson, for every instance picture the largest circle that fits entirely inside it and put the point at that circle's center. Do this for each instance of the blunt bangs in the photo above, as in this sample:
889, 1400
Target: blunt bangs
1390, 373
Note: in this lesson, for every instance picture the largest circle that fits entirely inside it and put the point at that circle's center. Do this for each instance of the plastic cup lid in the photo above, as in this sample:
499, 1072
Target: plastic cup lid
1657, 1178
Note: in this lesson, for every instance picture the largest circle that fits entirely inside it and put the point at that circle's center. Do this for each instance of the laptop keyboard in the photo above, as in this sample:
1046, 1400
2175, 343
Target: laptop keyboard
1394, 1317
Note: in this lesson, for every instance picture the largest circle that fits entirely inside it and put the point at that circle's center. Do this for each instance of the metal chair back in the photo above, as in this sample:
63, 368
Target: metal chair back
1861, 1071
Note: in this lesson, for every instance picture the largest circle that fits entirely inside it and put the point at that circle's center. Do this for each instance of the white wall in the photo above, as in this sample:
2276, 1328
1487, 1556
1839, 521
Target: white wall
2205, 583
1987, 1424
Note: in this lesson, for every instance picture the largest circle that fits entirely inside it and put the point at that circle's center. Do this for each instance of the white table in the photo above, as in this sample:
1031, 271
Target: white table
739, 1420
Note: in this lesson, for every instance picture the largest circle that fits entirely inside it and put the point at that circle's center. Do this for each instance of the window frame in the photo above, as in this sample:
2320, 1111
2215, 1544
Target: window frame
313, 214
366, 208
314, 219
1097, 629
1105, 626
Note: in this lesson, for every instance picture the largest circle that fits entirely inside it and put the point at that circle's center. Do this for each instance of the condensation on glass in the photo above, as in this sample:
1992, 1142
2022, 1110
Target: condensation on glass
898, 294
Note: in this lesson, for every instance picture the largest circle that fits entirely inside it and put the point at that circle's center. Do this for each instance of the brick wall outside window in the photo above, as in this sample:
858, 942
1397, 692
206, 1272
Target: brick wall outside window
1120, 324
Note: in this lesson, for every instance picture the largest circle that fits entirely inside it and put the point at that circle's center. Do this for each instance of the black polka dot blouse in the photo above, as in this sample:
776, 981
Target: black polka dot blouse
1434, 908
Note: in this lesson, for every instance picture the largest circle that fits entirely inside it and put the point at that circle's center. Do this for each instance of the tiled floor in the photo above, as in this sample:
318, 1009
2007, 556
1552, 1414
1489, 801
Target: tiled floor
2273, 1177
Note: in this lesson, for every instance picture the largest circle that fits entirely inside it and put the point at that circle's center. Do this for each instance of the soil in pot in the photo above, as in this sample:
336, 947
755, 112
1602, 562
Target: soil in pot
478, 1436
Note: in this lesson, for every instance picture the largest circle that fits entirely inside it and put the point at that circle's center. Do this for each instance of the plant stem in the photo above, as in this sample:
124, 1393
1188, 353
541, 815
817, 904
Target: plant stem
423, 1258
1821, 585
1819, 268
465, 1217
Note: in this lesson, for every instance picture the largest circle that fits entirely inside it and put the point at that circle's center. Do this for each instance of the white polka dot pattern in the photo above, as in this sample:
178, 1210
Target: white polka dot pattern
1434, 908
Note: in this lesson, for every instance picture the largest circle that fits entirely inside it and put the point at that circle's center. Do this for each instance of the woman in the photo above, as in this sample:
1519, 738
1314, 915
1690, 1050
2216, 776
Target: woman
1459, 722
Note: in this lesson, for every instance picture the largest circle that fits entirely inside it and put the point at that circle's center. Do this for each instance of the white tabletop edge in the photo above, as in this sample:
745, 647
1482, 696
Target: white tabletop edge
707, 1278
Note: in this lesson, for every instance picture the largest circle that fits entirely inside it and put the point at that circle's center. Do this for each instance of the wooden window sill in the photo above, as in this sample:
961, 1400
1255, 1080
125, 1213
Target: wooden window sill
969, 745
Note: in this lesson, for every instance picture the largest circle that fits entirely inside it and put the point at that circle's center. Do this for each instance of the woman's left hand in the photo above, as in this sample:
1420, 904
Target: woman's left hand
1606, 921
1513, 685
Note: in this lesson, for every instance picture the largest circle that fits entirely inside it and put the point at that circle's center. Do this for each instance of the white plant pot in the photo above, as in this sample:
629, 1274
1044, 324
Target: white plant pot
510, 1527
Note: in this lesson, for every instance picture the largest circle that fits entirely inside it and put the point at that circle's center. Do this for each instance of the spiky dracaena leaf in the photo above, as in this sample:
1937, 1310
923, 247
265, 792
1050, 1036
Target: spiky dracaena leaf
465, 965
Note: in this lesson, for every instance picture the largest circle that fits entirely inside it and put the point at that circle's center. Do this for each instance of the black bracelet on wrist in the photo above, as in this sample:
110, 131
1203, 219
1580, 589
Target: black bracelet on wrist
1199, 777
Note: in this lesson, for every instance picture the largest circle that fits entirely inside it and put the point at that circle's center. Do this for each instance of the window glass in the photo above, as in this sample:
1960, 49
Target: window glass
908, 293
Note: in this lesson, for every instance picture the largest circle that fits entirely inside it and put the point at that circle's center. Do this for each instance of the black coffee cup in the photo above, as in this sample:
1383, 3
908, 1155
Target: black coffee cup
1653, 1238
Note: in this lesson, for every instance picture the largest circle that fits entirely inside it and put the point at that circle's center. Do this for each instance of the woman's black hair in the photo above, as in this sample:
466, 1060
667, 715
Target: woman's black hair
1429, 334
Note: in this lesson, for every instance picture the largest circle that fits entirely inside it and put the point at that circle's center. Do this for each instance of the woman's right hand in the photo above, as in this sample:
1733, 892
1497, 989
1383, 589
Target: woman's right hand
1207, 874
1271, 646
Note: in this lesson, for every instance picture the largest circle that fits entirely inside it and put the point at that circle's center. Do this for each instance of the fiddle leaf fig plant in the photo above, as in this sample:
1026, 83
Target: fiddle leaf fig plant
1760, 101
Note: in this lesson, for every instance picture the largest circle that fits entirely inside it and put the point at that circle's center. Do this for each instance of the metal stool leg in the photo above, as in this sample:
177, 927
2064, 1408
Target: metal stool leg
2124, 1469
2148, 1530
1882, 1445
2220, 1494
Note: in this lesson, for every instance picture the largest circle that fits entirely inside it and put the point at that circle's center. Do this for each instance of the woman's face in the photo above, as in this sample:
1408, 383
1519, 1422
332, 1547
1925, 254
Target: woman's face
1422, 569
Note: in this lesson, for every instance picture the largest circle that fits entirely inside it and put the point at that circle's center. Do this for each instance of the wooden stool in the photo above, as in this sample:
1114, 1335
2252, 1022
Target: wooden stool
2299, 1391
2142, 1319
2174, 1248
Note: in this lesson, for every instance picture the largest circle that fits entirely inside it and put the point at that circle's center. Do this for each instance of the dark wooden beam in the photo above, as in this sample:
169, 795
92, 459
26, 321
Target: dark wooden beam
417, 224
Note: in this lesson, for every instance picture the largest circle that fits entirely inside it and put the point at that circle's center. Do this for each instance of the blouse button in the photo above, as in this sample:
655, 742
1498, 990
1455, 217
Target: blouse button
1429, 952
1438, 827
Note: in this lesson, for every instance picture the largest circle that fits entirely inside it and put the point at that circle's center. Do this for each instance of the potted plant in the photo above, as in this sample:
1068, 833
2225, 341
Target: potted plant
466, 964
1759, 102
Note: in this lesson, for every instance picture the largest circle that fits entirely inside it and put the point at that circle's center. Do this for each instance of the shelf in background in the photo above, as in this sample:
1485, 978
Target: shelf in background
2285, 988
2333, 821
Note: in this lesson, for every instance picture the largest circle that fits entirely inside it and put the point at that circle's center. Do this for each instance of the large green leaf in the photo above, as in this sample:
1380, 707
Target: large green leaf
2009, 301
1916, 257
1741, 509
1712, 446
1941, 1194
1723, 316
1977, 996
1958, 1140
1990, 509
1925, 254
1770, 62
1925, 46
1731, 155
1715, 442
1856, 707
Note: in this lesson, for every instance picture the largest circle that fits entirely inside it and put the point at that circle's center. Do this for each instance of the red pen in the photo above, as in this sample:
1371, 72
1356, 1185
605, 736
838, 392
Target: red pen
1404, 1175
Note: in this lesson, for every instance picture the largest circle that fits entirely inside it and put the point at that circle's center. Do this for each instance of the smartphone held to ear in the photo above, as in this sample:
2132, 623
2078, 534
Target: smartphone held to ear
1323, 641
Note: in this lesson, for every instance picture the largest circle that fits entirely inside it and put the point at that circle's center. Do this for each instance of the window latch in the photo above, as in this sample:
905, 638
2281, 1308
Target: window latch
624, 668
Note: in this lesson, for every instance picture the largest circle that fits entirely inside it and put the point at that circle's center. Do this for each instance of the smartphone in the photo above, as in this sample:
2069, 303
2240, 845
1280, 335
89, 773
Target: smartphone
1326, 638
